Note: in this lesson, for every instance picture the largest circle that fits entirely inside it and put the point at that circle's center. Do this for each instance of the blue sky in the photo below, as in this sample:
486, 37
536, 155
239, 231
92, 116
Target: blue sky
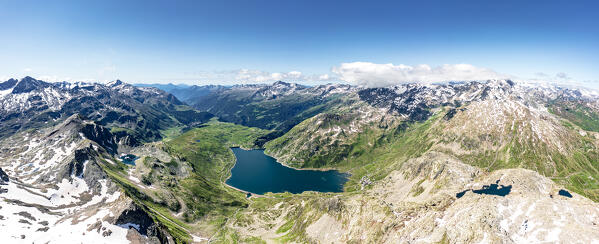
200, 42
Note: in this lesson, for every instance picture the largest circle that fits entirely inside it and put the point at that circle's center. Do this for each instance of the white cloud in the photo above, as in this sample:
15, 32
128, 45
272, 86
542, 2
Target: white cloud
560, 78
108, 69
54, 78
325, 77
4, 78
563, 76
378, 75
257, 76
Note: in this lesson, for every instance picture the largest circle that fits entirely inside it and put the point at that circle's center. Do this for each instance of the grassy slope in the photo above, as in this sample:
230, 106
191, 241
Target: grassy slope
203, 193
206, 149
264, 113
583, 116
159, 213
279, 114
581, 170
326, 151
372, 153
375, 152
577, 170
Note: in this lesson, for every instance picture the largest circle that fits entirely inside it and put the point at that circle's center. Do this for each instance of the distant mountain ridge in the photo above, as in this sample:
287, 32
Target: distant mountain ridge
30, 103
277, 107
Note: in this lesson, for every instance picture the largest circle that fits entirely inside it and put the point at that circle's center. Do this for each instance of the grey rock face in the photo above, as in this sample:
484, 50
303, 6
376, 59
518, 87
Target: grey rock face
3, 176
137, 218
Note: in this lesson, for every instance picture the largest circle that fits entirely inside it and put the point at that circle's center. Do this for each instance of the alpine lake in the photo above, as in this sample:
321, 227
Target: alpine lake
258, 173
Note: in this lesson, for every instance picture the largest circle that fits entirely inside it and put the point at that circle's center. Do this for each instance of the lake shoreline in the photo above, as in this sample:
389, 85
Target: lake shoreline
244, 191
231, 174
288, 166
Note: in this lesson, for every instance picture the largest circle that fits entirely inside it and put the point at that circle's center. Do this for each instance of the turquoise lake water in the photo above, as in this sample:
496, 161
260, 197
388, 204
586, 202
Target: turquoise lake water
259, 173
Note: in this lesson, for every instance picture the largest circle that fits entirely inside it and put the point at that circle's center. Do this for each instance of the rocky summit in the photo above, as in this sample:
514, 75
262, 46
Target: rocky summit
492, 161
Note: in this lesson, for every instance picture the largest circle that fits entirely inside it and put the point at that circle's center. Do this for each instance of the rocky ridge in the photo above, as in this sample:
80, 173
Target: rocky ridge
137, 112
58, 189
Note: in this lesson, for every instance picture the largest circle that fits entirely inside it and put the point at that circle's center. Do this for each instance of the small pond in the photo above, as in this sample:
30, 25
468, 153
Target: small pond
259, 173
564, 193
493, 189
129, 159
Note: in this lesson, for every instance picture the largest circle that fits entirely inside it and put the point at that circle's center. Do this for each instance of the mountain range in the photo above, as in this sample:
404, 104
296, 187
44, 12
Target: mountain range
476, 161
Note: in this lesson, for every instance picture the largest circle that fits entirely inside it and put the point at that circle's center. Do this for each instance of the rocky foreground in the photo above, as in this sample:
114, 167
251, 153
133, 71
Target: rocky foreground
419, 204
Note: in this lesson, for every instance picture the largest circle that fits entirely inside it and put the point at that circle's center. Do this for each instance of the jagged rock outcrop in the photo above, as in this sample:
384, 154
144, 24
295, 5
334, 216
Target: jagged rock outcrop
134, 217
3, 177
102, 136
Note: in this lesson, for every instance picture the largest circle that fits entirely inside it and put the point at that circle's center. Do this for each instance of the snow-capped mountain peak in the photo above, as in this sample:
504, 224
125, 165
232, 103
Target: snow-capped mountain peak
114, 83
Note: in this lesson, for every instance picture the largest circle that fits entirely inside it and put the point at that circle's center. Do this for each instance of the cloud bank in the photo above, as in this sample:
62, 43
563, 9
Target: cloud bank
258, 76
559, 79
356, 73
380, 75
368, 74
